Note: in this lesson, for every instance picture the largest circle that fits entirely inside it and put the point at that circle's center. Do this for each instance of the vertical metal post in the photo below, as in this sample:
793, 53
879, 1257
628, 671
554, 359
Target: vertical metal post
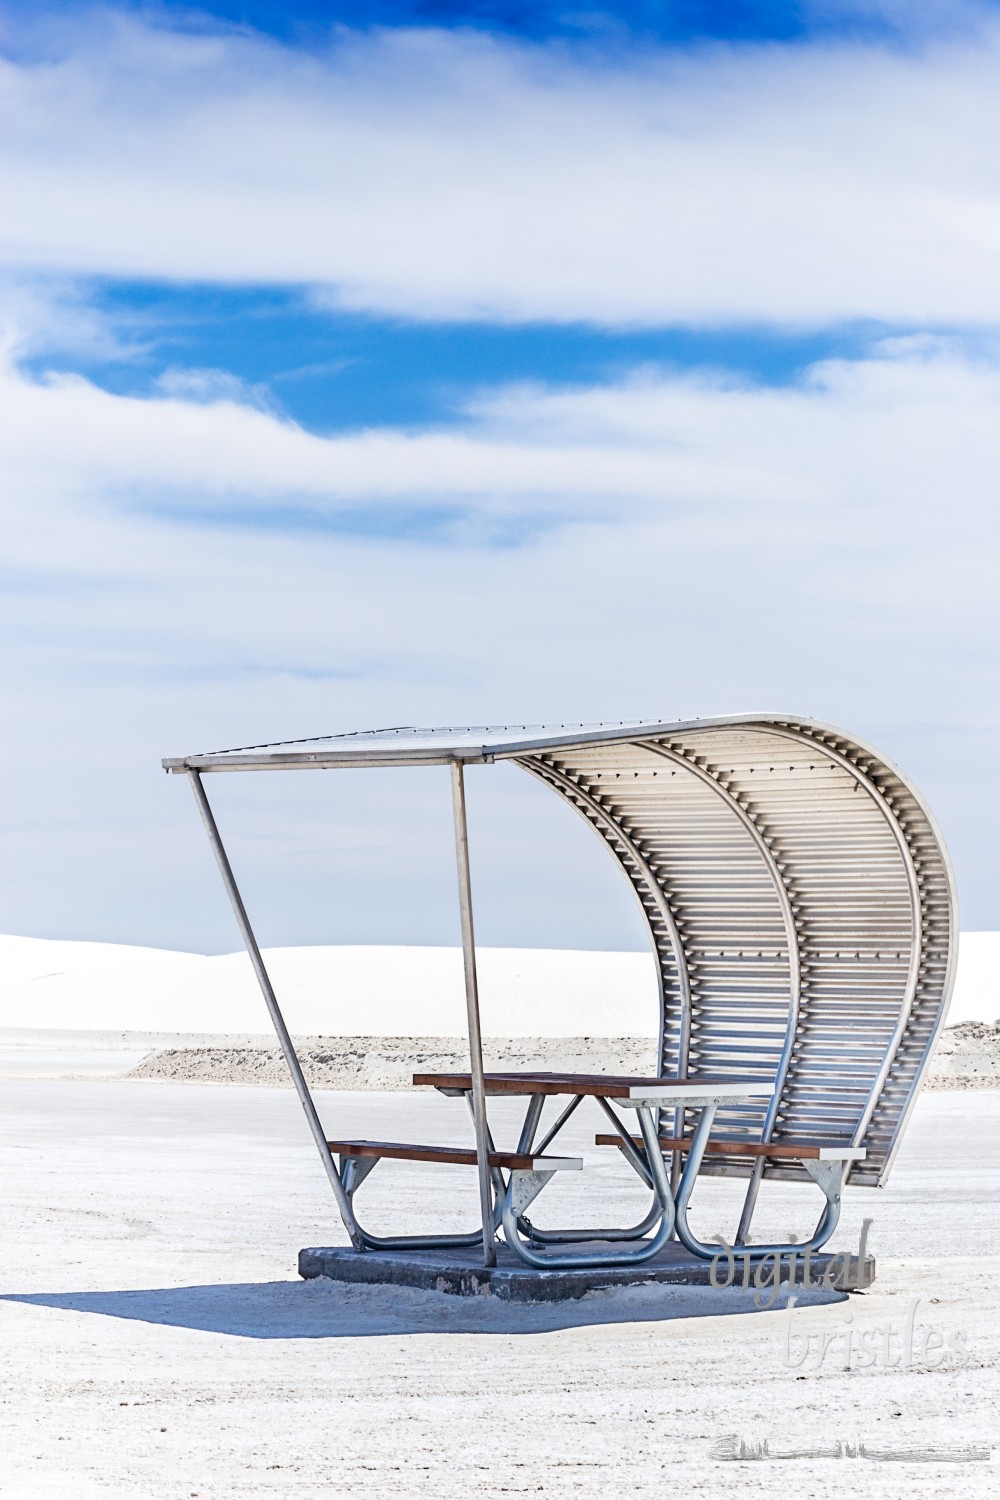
750, 1201
472, 1008
277, 1019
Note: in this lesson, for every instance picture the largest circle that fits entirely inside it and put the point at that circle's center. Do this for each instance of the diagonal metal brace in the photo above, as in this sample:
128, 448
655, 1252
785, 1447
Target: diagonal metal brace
354, 1170
828, 1175
634, 1158
524, 1188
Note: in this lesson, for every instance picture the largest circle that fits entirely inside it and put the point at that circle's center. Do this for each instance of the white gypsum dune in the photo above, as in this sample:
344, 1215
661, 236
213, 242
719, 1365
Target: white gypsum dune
329, 991
49, 984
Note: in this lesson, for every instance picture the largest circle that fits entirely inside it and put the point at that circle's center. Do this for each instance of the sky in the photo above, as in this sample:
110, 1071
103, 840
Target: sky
393, 363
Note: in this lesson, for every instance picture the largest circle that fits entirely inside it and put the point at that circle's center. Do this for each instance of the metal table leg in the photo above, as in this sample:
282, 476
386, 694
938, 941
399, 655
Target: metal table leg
828, 1175
636, 1161
525, 1186
354, 1170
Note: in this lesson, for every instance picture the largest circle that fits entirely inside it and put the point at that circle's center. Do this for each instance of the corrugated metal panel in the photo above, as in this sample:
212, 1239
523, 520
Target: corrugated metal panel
802, 912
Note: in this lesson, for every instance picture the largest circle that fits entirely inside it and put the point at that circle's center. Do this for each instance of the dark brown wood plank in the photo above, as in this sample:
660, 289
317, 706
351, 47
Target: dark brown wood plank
457, 1156
730, 1146
607, 1086
526, 1083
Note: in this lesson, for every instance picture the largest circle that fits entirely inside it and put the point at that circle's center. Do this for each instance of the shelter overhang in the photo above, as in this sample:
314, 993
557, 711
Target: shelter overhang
411, 745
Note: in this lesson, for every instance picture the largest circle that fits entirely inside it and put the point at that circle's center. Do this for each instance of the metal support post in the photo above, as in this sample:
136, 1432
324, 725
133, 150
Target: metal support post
277, 1019
472, 1008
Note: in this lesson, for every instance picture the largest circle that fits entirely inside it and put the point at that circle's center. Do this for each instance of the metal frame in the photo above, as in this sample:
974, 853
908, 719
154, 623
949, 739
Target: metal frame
472, 1012
522, 1193
346, 1181
760, 840
794, 853
274, 1010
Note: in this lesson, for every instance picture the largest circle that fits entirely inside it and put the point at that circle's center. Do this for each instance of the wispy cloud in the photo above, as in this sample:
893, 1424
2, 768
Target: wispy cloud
868, 486
212, 387
55, 317
825, 548
441, 175
879, 432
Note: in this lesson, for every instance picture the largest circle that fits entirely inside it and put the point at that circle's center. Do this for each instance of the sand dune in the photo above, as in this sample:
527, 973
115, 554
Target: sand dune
371, 991
334, 991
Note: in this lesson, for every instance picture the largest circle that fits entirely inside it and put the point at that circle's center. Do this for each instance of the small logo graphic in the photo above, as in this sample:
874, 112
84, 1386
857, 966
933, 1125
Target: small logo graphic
735, 1449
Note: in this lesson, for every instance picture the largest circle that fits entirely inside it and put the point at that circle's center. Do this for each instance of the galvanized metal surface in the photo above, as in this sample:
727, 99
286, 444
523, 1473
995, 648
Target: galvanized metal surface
483, 1142
812, 923
342, 1196
543, 1253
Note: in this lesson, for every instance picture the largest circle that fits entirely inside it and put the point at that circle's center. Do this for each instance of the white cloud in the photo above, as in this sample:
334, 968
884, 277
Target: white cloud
690, 544
190, 383
55, 318
441, 175
864, 495
883, 434
827, 548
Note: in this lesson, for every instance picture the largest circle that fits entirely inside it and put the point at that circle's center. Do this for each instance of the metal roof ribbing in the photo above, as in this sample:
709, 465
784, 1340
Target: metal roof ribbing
411, 745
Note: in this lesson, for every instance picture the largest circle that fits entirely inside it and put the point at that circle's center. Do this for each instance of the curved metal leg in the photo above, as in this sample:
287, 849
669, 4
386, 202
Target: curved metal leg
524, 1186
354, 1171
419, 1241
575, 1236
828, 1175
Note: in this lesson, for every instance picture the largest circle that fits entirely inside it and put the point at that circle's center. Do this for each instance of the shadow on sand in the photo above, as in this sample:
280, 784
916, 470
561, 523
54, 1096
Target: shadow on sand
323, 1309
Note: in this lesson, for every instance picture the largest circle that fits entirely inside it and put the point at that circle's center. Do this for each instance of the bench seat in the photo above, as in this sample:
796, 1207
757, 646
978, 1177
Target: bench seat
456, 1156
731, 1146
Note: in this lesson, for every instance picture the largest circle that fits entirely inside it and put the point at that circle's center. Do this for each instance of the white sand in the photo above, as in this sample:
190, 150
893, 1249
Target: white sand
371, 991
335, 991
169, 1350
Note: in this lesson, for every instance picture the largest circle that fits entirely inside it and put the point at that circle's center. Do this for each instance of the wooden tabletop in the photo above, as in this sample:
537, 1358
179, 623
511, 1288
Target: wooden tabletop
601, 1085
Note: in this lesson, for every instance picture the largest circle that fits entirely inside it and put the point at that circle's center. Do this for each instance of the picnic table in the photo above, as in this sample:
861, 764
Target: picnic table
529, 1169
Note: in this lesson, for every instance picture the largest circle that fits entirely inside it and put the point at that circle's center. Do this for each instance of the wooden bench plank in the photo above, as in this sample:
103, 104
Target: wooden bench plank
457, 1156
731, 1146
592, 1084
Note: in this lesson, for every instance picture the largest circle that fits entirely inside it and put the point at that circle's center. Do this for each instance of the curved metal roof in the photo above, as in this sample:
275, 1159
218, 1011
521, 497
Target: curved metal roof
407, 745
797, 894
410, 745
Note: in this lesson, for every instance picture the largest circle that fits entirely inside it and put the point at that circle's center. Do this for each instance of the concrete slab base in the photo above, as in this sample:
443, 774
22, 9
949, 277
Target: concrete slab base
460, 1273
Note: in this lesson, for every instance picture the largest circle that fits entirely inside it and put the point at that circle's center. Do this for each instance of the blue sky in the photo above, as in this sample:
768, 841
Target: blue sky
332, 371
683, 21
395, 363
